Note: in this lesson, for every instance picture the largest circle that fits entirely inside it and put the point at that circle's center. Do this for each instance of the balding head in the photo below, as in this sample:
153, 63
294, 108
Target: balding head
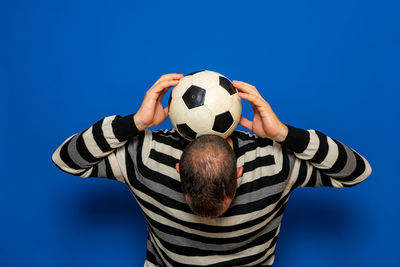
208, 175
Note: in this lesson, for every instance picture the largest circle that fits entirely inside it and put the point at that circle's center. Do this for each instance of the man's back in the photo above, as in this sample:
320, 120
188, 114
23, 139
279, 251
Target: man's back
247, 233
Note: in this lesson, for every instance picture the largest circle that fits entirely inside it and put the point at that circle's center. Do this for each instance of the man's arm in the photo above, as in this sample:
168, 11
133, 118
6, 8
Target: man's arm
92, 152
312, 158
316, 160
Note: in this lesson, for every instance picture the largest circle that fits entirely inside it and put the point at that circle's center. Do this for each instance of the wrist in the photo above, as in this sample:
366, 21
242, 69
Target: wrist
139, 125
297, 139
283, 134
124, 127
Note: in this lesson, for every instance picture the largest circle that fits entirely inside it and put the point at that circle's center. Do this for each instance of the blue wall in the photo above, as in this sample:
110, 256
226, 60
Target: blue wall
327, 65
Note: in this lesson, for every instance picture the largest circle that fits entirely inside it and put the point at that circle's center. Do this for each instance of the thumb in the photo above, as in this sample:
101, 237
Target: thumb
166, 111
246, 123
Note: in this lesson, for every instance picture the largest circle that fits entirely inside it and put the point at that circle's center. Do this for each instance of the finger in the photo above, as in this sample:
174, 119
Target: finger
246, 123
170, 76
166, 111
162, 93
245, 87
254, 100
244, 83
166, 84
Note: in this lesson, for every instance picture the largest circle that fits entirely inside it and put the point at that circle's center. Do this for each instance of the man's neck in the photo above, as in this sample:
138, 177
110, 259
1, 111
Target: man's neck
229, 140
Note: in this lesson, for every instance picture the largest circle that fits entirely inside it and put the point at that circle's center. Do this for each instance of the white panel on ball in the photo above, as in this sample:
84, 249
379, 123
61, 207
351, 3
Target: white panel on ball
179, 111
218, 100
200, 119
206, 79
236, 108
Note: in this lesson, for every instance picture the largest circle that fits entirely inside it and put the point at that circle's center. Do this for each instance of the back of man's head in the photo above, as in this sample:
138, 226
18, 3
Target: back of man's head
208, 175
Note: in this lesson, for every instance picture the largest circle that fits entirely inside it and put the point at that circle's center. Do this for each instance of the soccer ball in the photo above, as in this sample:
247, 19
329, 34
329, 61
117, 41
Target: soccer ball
204, 102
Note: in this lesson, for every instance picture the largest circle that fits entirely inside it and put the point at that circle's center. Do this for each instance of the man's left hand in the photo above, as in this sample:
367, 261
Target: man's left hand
265, 122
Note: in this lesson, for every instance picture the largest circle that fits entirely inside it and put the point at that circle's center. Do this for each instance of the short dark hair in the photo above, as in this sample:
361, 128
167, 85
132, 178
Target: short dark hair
208, 174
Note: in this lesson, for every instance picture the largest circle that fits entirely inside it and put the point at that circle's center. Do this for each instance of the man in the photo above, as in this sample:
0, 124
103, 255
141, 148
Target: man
211, 202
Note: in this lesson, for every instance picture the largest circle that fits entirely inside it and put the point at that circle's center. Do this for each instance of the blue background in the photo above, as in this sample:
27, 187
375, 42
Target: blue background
326, 65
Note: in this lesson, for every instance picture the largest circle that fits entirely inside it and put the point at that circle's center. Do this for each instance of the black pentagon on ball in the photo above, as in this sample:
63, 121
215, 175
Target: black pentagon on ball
194, 96
186, 131
227, 85
222, 122
194, 72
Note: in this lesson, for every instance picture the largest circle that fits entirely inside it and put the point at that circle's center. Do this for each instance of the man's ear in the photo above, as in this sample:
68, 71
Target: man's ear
239, 172
187, 199
177, 167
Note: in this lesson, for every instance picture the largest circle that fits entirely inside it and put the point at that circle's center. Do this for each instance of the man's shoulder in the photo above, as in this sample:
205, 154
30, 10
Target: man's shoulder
167, 137
249, 137
247, 142
244, 135
165, 132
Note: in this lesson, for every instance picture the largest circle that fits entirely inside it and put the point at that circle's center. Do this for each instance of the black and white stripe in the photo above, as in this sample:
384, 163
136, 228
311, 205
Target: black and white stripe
246, 234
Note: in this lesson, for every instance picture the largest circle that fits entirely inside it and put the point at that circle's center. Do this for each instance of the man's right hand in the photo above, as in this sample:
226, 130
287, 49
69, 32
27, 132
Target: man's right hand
151, 113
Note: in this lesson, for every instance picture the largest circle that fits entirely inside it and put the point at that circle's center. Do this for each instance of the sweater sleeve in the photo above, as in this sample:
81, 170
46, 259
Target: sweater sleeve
93, 152
316, 160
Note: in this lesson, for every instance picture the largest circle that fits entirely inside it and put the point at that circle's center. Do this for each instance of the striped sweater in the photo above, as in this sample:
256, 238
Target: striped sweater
246, 234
